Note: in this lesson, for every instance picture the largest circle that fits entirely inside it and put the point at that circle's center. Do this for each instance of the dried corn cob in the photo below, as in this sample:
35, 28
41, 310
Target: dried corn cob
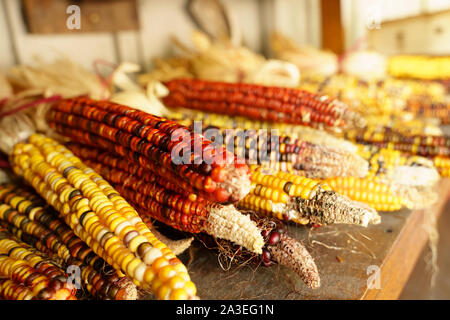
40, 227
151, 194
290, 197
283, 153
101, 217
21, 265
380, 195
186, 117
258, 102
153, 142
279, 248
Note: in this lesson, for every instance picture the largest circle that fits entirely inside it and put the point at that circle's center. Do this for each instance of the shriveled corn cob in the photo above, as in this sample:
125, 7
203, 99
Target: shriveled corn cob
283, 153
290, 197
44, 279
152, 142
101, 217
151, 194
33, 222
380, 195
273, 104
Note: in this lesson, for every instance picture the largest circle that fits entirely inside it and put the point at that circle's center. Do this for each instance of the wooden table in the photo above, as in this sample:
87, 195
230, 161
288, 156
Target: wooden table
347, 257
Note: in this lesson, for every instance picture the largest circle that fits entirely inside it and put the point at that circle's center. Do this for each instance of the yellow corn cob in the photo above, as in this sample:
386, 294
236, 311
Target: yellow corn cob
290, 197
101, 217
379, 196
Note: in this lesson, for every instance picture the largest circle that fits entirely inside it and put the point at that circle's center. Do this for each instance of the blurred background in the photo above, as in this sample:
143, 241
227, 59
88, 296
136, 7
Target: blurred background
368, 41
138, 31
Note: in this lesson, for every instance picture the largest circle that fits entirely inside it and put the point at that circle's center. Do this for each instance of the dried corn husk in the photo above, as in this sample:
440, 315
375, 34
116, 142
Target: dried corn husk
309, 60
62, 77
221, 60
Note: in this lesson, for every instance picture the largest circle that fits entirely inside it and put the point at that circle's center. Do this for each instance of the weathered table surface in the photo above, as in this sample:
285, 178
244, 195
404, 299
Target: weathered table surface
348, 258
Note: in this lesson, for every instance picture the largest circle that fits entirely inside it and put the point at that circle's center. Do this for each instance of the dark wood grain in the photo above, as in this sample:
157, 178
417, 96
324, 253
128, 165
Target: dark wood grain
343, 255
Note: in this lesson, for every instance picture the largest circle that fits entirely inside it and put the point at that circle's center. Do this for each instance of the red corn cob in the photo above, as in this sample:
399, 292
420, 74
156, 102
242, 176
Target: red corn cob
152, 141
274, 104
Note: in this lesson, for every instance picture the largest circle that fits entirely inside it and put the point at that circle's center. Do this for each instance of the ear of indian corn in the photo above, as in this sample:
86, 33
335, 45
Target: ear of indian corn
305, 133
153, 141
20, 264
101, 217
279, 248
274, 104
380, 195
284, 153
443, 166
28, 218
152, 194
290, 197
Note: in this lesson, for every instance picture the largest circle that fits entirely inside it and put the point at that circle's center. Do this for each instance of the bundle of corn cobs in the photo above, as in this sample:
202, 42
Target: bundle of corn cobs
90, 178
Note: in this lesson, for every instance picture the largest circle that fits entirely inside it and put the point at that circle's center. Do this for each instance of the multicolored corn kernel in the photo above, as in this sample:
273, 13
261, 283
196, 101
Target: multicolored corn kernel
273, 104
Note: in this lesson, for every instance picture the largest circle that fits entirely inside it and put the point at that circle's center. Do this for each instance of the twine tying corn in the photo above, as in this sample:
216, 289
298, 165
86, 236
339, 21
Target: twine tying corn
290, 197
101, 217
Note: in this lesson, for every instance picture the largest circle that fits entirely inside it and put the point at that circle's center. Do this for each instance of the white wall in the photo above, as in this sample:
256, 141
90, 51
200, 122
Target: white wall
357, 15
159, 19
